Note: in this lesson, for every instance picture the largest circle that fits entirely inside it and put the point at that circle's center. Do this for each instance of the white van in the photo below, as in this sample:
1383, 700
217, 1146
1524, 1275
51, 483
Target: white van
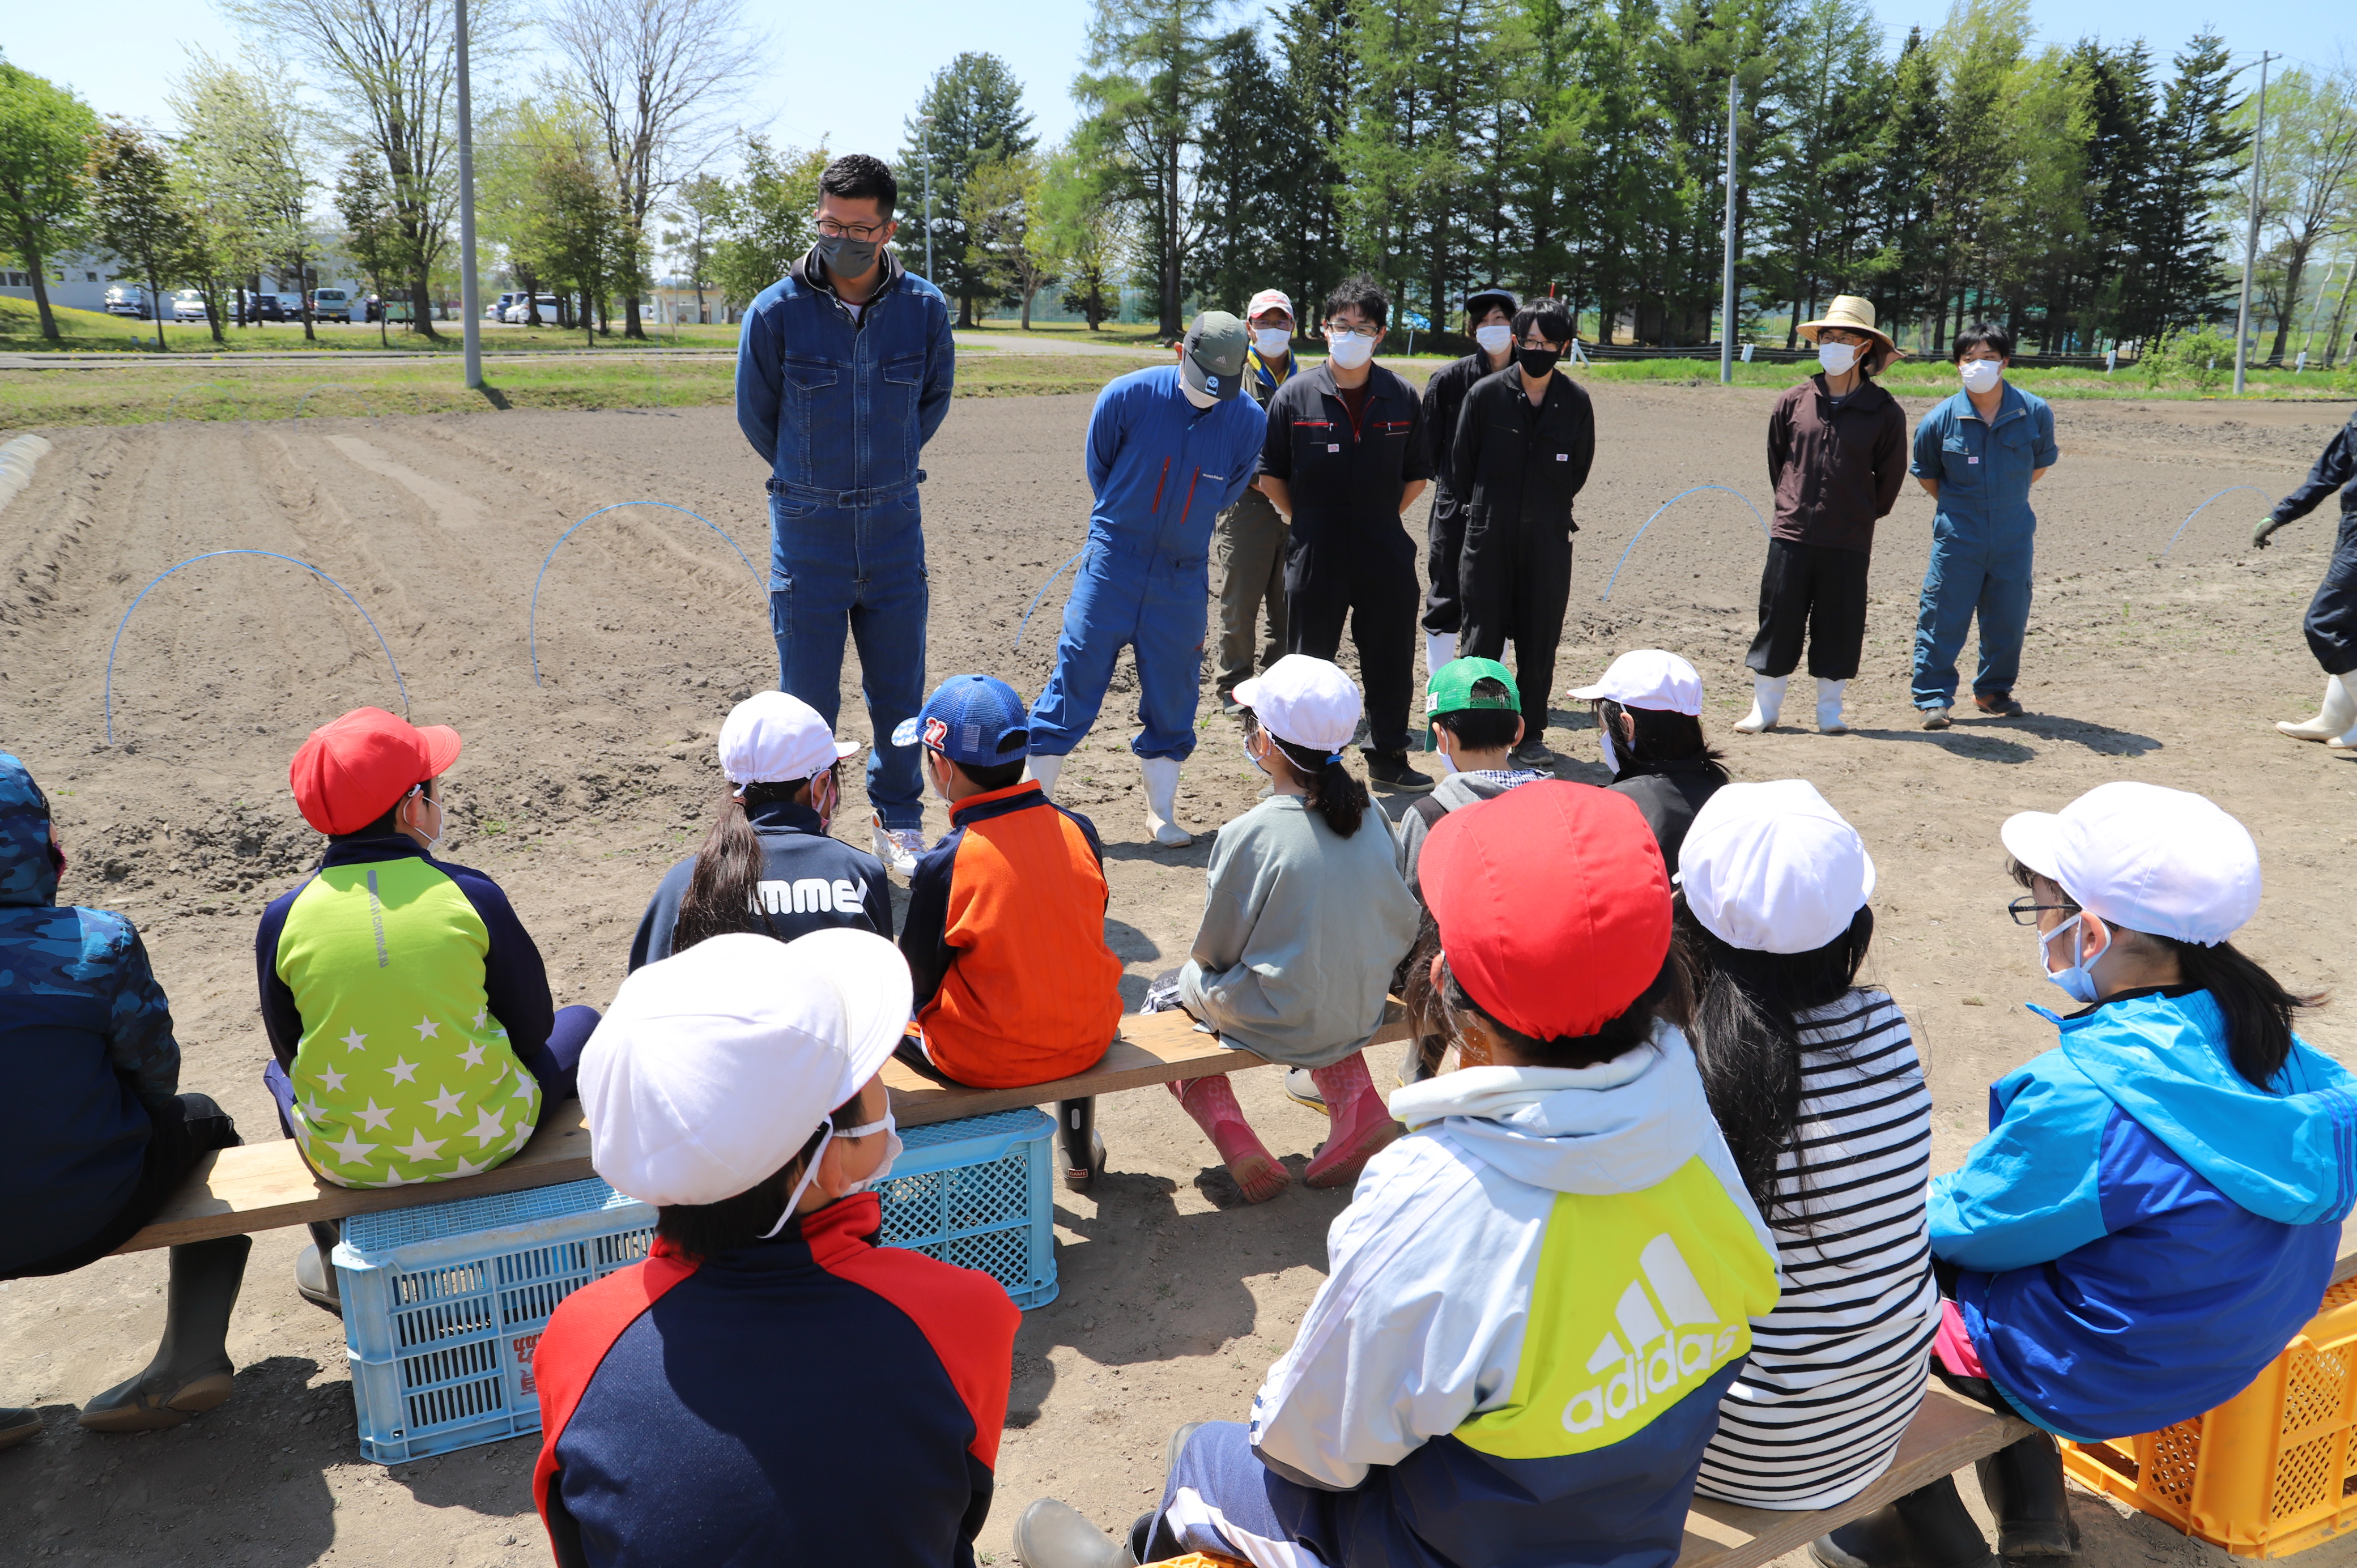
333, 304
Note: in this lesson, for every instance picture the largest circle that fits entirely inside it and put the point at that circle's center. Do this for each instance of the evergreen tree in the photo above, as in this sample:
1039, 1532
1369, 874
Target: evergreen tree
1241, 200
2183, 279
1316, 43
1148, 95
978, 118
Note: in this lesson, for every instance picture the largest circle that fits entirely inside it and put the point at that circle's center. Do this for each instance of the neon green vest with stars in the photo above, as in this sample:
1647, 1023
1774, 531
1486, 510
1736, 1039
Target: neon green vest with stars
402, 1075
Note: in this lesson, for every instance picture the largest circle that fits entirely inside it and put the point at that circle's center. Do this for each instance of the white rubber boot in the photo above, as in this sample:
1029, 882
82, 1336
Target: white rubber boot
1439, 648
1829, 707
1767, 704
2334, 724
1161, 797
1046, 770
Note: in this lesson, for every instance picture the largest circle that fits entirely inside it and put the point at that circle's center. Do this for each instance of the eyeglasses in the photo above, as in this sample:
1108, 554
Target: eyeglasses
2025, 911
1335, 328
860, 232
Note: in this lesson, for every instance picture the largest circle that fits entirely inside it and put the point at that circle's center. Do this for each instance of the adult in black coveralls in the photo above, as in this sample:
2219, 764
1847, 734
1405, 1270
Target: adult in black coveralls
2331, 623
1490, 318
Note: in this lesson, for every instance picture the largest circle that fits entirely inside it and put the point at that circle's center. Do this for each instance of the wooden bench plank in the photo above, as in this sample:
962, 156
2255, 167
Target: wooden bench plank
1946, 1434
265, 1185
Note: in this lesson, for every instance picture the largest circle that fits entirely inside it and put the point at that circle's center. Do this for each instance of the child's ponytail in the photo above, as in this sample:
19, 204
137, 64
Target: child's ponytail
2257, 1008
1333, 794
724, 892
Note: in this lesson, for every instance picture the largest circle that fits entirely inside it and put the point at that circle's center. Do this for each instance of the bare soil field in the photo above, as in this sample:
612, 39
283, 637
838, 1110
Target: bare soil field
577, 793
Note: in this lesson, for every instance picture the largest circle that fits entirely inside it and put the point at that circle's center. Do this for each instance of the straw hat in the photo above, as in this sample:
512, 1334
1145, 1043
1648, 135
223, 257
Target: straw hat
1857, 314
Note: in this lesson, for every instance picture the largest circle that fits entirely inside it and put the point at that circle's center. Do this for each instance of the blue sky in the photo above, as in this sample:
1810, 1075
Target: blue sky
858, 97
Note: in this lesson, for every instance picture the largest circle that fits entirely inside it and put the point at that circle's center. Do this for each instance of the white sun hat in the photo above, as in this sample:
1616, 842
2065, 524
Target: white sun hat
2150, 859
772, 737
714, 1067
1303, 699
1773, 868
1647, 677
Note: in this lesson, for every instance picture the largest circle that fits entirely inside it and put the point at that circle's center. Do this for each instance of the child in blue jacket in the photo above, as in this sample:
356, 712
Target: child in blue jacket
2154, 1212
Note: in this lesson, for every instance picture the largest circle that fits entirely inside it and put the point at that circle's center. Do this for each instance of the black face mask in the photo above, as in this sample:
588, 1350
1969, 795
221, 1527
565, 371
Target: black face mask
846, 257
1536, 363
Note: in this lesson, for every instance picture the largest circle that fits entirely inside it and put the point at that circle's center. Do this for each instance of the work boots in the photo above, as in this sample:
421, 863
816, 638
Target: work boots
1829, 707
1767, 704
2023, 1484
1046, 770
1051, 1534
1084, 1148
2338, 717
192, 1372
1928, 1528
315, 1268
1162, 802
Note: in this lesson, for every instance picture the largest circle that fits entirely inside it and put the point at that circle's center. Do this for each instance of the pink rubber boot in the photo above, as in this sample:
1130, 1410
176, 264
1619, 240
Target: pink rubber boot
1362, 1123
1211, 1102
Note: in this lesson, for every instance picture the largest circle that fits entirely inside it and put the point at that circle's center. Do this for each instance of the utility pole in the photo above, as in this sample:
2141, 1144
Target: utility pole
2251, 240
1727, 286
470, 331
929, 198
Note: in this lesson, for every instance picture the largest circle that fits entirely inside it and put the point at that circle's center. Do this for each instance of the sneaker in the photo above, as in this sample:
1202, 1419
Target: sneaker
1302, 1090
1229, 705
1936, 718
898, 848
1391, 770
1999, 706
1532, 756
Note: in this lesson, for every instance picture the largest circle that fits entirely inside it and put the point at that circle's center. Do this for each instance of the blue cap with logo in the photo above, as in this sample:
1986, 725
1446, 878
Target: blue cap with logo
975, 720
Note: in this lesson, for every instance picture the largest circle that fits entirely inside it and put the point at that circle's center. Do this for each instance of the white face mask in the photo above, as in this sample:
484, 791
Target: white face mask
892, 1148
1352, 349
1604, 743
1493, 337
1273, 342
2078, 981
1981, 375
1837, 357
1200, 399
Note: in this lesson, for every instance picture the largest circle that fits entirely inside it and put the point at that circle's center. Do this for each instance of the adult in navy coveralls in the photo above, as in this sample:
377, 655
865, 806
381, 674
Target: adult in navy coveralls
1170, 448
844, 371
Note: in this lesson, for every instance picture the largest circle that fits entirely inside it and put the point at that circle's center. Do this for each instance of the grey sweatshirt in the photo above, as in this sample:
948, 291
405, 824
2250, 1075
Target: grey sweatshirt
1300, 934
1454, 790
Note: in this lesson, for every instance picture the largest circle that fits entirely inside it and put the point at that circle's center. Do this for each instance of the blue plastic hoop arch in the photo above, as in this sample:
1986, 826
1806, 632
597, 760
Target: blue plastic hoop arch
274, 555
532, 624
1034, 605
2197, 512
1665, 506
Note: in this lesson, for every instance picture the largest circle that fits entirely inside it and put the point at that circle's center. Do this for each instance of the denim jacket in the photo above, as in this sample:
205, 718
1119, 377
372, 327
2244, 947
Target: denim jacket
1984, 469
838, 408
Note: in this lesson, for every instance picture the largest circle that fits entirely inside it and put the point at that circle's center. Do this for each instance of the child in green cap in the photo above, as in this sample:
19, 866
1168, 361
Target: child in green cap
1476, 721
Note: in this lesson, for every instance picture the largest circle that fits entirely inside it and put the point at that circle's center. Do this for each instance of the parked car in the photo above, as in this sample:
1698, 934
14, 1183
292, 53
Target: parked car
188, 305
498, 310
334, 305
268, 307
127, 299
521, 311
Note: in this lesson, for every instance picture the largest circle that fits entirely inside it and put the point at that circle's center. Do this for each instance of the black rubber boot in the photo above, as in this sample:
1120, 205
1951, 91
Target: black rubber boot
16, 1425
1084, 1150
191, 1370
1940, 1531
1052, 1535
315, 1268
1878, 1541
2023, 1484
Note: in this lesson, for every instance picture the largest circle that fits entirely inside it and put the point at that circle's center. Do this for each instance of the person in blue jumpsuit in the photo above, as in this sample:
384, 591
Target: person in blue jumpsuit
843, 373
1170, 448
1977, 455
2331, 623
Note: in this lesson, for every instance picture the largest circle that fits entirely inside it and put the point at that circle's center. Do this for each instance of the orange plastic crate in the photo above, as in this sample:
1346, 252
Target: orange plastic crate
2273, 1470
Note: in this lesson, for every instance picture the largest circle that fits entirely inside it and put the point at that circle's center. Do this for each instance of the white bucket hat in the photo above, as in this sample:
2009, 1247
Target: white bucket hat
1773, 868
2150, 859
713, 1068
1303, 699
773, 739
1647, 677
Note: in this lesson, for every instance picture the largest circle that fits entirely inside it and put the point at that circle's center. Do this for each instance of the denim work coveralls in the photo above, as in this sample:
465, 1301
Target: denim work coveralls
2331, 623
1162, 471
1982, 537
839, 410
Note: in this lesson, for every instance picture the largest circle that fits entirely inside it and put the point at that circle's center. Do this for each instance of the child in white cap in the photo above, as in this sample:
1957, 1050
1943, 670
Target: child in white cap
1307, 919
2156, 1207
1649, 729
768, 1385
1814, 1081
769, 865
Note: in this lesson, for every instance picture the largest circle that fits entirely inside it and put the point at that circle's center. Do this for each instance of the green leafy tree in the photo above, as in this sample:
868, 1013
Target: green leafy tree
1146, 97
245, 158
699, 209
137, 215
1088, 236
1003, 202
2195, 151
372, 236
976, 105
767, 225
45, 146
1317, 53
2308, 180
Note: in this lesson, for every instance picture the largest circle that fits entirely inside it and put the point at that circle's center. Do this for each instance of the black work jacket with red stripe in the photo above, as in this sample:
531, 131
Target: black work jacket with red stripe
1345, 475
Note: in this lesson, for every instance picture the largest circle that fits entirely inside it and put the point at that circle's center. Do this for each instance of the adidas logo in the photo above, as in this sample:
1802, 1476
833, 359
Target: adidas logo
1659, 1356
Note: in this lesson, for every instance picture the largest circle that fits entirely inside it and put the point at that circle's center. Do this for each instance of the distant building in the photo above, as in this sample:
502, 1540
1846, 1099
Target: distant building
76, 282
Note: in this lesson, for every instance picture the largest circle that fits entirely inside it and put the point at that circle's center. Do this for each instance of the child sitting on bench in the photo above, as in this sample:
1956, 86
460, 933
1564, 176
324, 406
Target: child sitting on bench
1814, 1083
768, 1386
93, 1136
1649, 729
2156, 1209
1538, 1297
1305, 920
412, 1032
1005, 931
769, 865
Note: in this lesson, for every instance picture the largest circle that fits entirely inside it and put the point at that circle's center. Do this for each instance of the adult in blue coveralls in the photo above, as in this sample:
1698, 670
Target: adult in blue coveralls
844, 371
1170, 448
1977, 455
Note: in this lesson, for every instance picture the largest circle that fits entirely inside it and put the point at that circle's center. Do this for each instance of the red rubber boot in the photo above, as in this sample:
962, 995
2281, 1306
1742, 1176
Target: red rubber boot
1211, 1102
1362, 1123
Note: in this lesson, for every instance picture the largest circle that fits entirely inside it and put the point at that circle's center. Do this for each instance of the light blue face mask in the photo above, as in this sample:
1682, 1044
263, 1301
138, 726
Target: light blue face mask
2078, 982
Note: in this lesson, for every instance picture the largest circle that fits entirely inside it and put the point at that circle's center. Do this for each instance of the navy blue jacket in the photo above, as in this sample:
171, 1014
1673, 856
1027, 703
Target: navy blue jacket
85, 1042
2336, 467
810, 882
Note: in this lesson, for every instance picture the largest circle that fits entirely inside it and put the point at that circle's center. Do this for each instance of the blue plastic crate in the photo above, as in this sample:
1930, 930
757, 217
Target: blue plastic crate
444, 1304
979, 1193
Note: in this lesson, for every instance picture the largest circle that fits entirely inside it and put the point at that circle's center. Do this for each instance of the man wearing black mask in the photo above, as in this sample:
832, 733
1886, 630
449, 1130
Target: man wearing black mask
1490, 318
1523, 448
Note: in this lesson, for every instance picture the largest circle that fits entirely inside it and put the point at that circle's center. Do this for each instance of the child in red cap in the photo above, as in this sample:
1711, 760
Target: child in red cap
1539, 1294
413, 1035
